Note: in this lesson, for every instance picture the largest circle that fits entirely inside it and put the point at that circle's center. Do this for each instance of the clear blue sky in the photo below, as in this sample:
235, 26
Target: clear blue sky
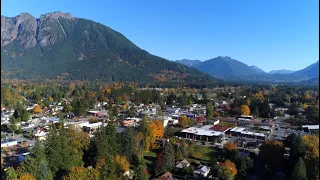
271, 34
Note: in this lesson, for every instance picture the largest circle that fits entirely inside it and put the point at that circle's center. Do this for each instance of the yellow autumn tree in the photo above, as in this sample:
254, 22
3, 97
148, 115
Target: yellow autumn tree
82, 173
122, 163
37, 109
183, 121
245, 110
50, 99
229, 169
26, 176
311, 157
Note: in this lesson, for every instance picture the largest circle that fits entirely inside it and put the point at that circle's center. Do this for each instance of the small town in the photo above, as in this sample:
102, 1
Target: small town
179, 133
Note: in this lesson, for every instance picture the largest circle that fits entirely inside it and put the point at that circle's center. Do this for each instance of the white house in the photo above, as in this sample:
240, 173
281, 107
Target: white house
9, 143
202, 171
183, 164
169, 121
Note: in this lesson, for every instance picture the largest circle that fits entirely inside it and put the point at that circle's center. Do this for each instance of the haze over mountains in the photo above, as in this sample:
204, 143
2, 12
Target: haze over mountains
230, 69
57, 45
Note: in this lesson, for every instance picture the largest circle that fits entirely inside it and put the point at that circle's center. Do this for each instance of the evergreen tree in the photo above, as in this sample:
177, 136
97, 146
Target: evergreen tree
209, 111
36, 162
108, 170
126, 141
168, 157
140, 171
11, 174
44, 173
299, 171
58, 151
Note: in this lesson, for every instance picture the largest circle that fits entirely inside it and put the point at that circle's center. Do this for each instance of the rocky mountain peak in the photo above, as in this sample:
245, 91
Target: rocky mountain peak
56, 15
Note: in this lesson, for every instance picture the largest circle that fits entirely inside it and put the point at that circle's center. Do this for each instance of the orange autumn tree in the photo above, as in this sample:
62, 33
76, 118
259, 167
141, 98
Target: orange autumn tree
230, 146
122, 163
245, 110
154, 131
157, 129
229, 169
37, 109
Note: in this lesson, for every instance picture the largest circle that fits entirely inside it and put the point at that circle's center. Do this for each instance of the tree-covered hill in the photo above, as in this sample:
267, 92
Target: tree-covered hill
58, 45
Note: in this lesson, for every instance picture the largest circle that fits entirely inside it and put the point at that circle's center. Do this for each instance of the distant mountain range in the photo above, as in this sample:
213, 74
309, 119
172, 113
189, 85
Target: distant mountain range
282, 71
230, 69
59, 46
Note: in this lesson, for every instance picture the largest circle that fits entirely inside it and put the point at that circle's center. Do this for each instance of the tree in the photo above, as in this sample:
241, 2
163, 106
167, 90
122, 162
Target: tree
140, 171
168, 156
183, 121
11, 174
26, 176
36, 163
299, 171
229, 170
297, 149
82, 173
139, 144
106, 168
101, 98
311, 157
58, 151
37, 109
245, 110
272, 153
209, 111
156, 127
78, 142
126, 143
122, 164
230, 146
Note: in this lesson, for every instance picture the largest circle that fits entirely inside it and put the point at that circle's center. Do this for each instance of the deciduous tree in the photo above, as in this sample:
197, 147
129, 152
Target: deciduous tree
245, 110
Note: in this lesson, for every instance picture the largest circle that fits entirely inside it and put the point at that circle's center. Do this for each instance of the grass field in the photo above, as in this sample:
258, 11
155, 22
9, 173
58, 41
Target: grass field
200, 153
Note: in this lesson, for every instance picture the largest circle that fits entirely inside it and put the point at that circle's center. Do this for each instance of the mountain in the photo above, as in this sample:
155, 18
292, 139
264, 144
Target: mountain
311, 71
188, 62
230, 69
258, 70
224, 67
282, 71
57, 45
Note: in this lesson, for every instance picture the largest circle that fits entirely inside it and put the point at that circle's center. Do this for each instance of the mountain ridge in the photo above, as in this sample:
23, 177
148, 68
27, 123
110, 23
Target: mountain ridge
230, 69
57, 45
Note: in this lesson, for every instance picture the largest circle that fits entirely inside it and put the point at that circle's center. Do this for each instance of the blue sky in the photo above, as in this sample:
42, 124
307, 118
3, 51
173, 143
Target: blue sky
270, 34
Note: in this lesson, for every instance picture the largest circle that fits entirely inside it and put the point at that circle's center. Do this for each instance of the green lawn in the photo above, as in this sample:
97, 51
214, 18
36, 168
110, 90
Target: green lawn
200, 153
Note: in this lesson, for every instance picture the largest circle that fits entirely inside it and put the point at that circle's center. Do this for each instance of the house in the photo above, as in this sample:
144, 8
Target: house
202, 171
128, 123
41, 135
9, 143
169, 121
183, 164
165, 176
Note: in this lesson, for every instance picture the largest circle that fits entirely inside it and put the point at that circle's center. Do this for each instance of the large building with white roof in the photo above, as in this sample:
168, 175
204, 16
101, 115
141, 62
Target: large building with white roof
209, 133
243, 132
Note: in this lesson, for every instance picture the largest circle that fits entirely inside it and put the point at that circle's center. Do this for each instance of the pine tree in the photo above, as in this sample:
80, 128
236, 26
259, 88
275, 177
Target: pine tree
299, 171
35, 162
140, 171
58, 151
209, 111
126, 141
169, 157
44, 172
